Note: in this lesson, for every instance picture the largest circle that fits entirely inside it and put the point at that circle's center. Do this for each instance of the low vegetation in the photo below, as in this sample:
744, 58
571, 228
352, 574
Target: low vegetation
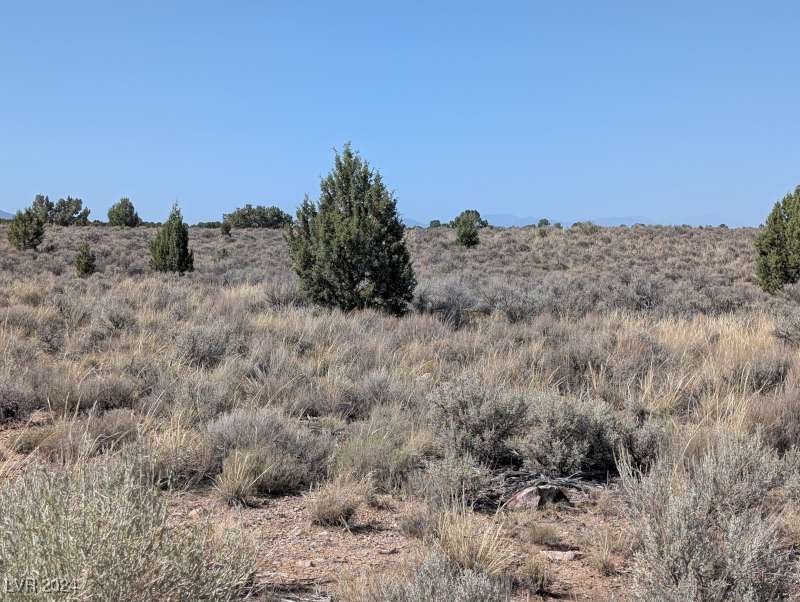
646, 363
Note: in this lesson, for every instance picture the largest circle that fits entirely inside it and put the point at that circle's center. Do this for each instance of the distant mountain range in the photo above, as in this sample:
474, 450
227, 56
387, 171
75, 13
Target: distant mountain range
5, 215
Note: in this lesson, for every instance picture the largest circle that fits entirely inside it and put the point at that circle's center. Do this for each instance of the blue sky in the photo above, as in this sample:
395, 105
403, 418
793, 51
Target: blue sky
668, 112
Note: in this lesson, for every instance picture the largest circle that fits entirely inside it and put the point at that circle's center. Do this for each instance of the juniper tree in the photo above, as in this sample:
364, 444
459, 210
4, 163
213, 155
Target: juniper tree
26, 230
778, 245
348, 249
169, 250
123, 213
466, 226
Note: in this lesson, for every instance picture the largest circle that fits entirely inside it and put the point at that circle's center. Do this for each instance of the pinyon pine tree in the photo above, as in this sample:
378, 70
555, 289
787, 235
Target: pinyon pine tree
169, 250
778, 245
348, 249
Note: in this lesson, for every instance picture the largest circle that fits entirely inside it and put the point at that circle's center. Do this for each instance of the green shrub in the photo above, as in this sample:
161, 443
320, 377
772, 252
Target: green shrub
703, 525
123, 213
569, 435
348, 250
84, 260
102, 530
225, 229
169, 250
470, 419
257, 217
26, 230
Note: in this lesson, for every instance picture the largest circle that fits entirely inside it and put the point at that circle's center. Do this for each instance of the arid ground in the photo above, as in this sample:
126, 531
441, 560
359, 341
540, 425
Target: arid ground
234, 441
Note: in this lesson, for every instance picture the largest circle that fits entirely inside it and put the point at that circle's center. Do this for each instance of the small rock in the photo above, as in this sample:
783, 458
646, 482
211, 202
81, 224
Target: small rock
538, 496
304, 563
194, 513
561, 556
388, 551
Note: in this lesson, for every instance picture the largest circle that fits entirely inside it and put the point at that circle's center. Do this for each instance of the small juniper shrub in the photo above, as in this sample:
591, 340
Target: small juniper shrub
85, 260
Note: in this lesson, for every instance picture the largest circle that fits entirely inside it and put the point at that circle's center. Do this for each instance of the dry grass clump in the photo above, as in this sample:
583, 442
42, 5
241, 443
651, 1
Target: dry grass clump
388, 447
258, 471
704, 528
105, 533
433, 578
467, 541
335, 503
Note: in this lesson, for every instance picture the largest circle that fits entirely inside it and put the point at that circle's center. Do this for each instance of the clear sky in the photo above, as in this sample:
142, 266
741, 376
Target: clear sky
665, 111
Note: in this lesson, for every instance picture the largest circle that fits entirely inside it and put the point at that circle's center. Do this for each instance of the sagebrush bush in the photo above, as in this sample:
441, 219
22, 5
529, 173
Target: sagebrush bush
569, 435
703, 525
454, 479
470, 418
242, 429
204, 345
101, 527
433, 578
388, 446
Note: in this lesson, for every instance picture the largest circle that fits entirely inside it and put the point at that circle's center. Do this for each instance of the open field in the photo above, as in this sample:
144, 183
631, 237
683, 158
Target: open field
295, 452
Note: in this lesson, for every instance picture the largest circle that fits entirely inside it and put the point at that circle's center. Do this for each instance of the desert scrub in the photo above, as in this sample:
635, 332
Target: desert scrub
471, 418
432, 578
244, 429
569, 435
335, 503
454, 479
389, 447
98, 525
472, 542
258, 471
703, 524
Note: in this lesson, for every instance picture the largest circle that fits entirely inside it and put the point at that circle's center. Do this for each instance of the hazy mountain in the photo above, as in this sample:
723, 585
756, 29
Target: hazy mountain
5, 215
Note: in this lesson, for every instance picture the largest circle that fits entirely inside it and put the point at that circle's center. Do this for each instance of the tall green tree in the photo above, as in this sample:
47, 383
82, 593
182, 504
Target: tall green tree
777, 245
123, 213
69, 212
169, 250
43, 207
348, 249
26, 230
